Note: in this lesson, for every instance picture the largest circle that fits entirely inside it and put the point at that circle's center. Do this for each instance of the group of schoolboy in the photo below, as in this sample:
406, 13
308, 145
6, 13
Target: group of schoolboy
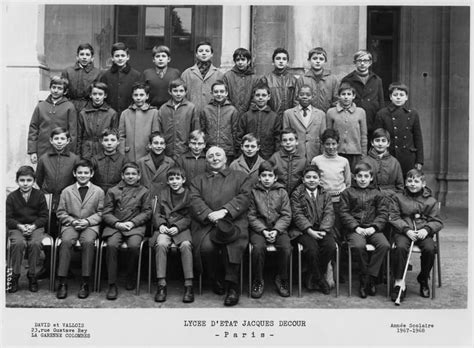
329, 163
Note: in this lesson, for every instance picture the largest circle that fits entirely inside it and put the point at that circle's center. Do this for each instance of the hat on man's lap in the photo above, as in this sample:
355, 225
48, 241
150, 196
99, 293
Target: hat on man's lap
225, 231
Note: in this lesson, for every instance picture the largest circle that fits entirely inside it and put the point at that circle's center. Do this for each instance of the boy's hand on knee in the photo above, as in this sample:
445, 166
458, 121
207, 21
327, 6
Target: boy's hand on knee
163, 229
173, 231
129, 225
34, 158
22, 228
369, 231
361, 231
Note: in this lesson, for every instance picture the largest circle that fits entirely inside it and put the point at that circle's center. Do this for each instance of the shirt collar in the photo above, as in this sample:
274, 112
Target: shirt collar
88, 185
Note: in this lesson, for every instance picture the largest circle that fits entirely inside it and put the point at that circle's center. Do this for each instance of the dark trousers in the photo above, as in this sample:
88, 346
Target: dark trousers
358, 242
215, 260
283, 246
317, 253
400, 255
18, 244
113, 244
69, 237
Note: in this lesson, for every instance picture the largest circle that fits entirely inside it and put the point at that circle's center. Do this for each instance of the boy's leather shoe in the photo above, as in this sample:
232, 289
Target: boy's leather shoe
14, 284
257, 288
83, 291
282, 286
62, 291
424, 288
112, 292
363, 286
43, 273
310, 284
131, 283
232, 297
160, 295
324, 286
33, 284
218, 287
188, 296
395, 291
371, 289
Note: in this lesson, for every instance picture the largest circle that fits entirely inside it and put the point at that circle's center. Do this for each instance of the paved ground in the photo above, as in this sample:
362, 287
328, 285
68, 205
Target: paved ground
452, 294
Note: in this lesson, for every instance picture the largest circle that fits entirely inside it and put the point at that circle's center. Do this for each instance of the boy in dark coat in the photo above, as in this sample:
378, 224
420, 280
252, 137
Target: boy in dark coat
416, 218
127, 209
194, 161
26, 216
171, 223
269, 217
363, 212
313, 221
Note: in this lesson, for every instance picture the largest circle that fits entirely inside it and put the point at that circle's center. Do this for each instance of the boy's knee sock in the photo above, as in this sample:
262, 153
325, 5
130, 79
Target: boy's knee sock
161, 281
188, 282
62, 280
85, 279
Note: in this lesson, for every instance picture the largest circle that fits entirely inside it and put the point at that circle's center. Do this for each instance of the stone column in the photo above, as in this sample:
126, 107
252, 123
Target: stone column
24, 61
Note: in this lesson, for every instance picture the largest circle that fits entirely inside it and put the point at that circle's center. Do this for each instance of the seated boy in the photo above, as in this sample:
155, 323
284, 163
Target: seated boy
363, 213
44, 120
176, 119
172, 221
308, 122
153, 167
108, 163
289, 161
269, 216
127, 209
80, 214
26, 216
415, 219
313, 220
262, 121
81, 75
388, 172
54, 171
194, 160
219, 121
160, 76
249, 161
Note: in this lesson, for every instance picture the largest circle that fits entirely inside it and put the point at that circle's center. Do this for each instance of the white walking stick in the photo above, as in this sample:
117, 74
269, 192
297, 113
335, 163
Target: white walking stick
397, 301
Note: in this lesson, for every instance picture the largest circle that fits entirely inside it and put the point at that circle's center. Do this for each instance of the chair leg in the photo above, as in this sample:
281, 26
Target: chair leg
388, 274
242, 274
337, 270
299, 269
96, 247
150, 252
99, 272
349, 256
291, 272
438, 260
433, 280
200, 283
250, 269
51, 269
137, 290
54, 258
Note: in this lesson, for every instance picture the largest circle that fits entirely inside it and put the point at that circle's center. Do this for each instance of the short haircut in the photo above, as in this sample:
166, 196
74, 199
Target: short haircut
155, 134
219, 83
119, 46
204, 43
266, 167
361, 53
415, 173
85, 46
242, 52
98, 85
381, 133
363, 167
345, 86
278, 51
110, 131
250, 137
330, 133
127, 165
175, 171
161, 49
141, 85
176, 83
306, 86
312, 168
318, 50
59, 130
195, 134
262, 85
25, 171
288, 131
397, 85
83, 163
59, 80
